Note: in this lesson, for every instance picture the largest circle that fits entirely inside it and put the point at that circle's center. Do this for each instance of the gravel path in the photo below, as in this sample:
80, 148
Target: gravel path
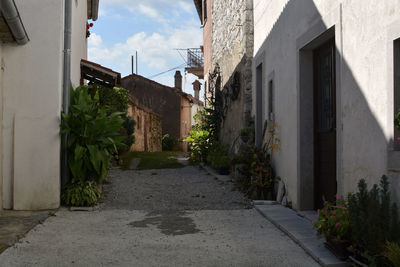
189, 188
179, 217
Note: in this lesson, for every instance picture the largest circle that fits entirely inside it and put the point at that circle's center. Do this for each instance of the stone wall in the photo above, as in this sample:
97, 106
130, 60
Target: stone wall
232, 51
161, 99
148, 129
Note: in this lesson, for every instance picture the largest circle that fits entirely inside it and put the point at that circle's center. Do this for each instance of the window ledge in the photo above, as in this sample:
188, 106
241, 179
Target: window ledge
394, 160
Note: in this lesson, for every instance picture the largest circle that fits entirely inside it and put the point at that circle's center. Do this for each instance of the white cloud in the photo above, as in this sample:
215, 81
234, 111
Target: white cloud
95, 40
160, 9
149, 11
155, 50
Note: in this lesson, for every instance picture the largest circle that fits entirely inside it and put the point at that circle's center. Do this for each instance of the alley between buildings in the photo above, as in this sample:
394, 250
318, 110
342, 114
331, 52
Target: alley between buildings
170, 217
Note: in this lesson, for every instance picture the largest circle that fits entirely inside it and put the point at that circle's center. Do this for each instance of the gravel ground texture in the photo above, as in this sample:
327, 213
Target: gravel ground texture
172, 217
189, 188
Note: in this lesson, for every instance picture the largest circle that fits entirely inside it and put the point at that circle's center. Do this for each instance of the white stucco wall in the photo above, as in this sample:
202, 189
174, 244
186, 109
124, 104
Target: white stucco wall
32, 82
79, 41
365, 126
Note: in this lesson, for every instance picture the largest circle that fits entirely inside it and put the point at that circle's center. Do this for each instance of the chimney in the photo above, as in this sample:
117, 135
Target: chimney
196, 88
178, 80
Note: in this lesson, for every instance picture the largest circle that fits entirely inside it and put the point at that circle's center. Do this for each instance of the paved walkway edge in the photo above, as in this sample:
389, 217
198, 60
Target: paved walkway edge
301, 231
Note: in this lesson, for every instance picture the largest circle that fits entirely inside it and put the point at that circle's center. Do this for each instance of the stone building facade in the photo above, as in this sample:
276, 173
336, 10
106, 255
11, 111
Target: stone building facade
228, 52
173, 106
148, 128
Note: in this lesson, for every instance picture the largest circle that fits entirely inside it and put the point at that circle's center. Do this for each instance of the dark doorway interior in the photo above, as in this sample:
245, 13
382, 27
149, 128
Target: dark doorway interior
325, 185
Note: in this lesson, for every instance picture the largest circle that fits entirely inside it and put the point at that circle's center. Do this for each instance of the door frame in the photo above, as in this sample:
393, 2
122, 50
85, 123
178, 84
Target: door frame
325, 28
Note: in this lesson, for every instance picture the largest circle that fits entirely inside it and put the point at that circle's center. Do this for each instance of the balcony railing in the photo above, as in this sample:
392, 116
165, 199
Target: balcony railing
194, 58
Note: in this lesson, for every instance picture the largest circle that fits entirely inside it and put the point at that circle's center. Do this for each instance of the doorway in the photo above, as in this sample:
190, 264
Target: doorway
325, 184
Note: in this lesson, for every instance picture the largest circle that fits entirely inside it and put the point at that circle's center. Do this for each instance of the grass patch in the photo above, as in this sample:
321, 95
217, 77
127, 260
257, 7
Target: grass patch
153, 160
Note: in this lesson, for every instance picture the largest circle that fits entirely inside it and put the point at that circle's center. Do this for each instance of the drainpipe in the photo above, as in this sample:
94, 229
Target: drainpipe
66, 88
14, 22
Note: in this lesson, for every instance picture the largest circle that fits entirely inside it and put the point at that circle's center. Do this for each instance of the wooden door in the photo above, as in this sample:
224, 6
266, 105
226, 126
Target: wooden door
325, 185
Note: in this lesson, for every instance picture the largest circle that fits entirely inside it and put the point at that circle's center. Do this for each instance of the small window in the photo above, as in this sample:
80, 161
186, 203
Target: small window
271, 100
138, 122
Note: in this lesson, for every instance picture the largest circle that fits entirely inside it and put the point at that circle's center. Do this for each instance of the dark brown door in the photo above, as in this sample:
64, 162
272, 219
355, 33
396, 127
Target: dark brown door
325, 185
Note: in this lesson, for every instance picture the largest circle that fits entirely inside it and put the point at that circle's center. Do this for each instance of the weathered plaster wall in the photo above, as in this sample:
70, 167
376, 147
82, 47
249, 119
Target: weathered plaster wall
232, 50
78, 39
148, 129
195, 108
186, 121
32, 81
162, 100
364, 126
207, 47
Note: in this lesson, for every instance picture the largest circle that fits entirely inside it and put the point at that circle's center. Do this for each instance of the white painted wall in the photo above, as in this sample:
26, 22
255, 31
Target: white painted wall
32, 104
32, 94
79, 41
365, 125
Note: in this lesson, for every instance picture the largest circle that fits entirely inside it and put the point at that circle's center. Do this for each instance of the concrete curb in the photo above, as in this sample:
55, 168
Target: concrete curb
300, 231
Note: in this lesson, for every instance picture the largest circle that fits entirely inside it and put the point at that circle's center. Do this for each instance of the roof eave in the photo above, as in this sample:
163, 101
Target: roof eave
197, 3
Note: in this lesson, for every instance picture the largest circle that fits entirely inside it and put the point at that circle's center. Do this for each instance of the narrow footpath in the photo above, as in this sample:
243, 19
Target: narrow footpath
169, 217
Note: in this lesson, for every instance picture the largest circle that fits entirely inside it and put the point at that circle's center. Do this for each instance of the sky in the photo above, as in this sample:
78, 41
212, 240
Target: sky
153, 28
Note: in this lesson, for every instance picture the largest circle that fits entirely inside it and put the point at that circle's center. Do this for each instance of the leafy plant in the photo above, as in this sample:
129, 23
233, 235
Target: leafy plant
334, 221
117, 99
392, 253
217, 156
168, 143
93, 134
373, 218
81, 194
199, 142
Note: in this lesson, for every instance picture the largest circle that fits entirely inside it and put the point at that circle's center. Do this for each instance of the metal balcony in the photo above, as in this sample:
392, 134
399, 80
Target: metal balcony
195, 62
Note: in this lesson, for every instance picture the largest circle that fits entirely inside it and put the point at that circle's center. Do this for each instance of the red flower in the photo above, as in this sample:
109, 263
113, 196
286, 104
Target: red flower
91, 24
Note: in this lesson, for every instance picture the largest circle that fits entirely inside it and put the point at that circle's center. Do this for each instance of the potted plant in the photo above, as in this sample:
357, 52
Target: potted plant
334, 224
221, 164
262, 179
246, 133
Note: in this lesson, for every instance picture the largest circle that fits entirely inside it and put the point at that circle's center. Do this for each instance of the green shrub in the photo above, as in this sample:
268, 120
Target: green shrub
373, 218
81, 194
217, 157
199, 143
392, 253
117, 99
168, 143
93, 134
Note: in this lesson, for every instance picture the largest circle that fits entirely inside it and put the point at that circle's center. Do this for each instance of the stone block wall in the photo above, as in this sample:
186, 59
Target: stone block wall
232, 51
148, 129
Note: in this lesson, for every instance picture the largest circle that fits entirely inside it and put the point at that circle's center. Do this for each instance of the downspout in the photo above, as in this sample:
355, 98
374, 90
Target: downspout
66, 88
14, 22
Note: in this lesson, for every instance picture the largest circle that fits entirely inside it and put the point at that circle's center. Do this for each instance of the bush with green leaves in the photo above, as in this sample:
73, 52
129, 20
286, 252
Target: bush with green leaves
81, 194
217, 157
117, 99
373, 218
93, 135
199, 143
168, 142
